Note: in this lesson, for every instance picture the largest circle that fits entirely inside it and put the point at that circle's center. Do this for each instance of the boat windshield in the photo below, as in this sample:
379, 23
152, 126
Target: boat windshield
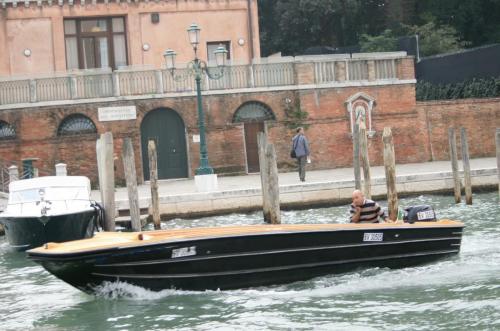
49, 193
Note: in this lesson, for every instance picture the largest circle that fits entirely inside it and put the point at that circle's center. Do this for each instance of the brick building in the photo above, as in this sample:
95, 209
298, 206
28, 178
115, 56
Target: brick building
48, 119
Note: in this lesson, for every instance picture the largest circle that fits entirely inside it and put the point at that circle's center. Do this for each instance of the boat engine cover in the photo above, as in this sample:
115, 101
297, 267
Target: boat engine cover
421, 213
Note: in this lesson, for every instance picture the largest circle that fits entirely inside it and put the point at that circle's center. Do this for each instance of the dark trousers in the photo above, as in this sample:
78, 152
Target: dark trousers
301, 162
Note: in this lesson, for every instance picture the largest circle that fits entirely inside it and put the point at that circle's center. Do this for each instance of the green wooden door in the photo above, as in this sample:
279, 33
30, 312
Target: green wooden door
166, 128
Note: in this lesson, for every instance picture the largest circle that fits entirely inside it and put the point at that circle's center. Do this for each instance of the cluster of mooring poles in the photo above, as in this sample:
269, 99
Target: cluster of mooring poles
105, 166
361, 159
104, 150
106, 172
269, 172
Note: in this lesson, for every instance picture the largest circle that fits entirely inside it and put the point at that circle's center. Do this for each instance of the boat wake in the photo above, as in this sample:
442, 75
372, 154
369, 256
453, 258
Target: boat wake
124, 290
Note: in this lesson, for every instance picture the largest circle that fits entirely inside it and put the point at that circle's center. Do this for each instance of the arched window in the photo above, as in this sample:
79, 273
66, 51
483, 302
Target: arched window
253, 111
76, 124
7, 131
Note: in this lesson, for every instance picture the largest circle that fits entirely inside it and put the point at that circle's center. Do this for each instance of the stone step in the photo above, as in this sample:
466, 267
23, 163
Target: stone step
126, 221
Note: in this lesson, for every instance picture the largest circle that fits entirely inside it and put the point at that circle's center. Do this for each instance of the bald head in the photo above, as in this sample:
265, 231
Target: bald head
358, 198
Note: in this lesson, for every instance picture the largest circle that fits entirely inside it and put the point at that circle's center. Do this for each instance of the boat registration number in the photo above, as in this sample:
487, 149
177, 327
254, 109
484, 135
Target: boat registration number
183, 251
425, 215
373, 236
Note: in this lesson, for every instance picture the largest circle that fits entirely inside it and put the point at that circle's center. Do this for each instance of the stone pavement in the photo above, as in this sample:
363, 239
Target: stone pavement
322, 187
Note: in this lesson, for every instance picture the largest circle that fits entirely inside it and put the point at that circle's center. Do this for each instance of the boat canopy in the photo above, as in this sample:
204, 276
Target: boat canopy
51, 187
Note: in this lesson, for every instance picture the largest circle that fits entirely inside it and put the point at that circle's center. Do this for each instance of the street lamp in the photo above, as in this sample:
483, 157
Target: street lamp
197, 68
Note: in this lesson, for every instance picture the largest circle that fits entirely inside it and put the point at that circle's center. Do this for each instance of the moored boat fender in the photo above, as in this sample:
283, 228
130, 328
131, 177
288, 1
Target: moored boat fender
421, 213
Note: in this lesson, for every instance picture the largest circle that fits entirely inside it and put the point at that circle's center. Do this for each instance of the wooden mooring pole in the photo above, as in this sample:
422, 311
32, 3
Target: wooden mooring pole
100, 165
355, 156
466, 165
269, 180
454, 165
273, 185
390, 173
153, 180
106, 170
365, 161
262, 146
131, 180
498, 160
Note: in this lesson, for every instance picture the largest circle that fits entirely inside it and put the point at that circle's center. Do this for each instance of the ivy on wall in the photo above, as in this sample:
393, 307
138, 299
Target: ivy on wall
475, 88
296, 116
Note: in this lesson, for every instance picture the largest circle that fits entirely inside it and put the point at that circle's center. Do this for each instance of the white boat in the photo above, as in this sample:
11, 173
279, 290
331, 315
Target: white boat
49, 209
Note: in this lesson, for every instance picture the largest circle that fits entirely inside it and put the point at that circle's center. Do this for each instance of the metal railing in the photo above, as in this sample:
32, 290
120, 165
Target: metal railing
128, 82
4, 178
23, 171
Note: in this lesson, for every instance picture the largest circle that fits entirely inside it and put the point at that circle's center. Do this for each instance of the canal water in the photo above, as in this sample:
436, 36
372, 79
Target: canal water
459, 293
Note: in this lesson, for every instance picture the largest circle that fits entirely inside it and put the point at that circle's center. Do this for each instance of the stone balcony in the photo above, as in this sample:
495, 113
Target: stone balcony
272, 73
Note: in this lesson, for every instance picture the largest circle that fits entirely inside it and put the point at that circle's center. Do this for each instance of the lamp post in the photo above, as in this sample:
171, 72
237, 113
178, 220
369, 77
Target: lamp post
198, 68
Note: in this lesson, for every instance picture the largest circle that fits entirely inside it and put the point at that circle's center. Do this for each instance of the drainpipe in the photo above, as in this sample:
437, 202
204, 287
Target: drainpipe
250, 29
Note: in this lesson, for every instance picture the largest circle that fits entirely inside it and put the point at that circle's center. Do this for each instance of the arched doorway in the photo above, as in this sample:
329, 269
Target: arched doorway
253, 114
167, 129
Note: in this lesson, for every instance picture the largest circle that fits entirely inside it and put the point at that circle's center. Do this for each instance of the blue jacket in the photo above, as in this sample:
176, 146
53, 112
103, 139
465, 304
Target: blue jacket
300, 145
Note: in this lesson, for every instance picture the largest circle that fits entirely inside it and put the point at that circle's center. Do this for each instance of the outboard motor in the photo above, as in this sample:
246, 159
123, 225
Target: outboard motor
422, 213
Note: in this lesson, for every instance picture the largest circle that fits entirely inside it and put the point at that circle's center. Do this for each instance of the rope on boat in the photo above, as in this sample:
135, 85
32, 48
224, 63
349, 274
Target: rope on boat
100, 214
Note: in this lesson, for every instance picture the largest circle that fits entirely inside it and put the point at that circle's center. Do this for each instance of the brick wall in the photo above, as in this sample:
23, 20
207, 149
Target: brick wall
480, 117
419, 129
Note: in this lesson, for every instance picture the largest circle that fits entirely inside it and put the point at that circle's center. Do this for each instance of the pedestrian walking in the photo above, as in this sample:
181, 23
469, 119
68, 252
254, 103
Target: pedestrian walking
300, 146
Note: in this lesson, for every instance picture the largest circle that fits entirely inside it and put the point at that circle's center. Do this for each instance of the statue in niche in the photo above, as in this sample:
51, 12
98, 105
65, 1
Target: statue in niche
360, 107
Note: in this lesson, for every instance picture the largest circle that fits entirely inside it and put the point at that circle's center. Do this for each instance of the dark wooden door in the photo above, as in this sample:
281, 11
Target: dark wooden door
251, 130
166, 128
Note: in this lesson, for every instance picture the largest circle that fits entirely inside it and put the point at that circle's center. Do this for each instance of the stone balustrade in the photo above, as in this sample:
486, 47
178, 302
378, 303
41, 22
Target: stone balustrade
278, 73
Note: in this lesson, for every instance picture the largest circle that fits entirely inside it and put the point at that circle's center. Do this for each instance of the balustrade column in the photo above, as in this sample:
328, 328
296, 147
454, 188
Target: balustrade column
33, 92
371, 70
61, 169
13, 173
340, 71
116, 84
251, 75
73, 87
304, 73
159, 82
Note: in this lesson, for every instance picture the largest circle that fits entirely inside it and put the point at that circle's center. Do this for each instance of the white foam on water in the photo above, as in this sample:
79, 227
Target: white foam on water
123, 290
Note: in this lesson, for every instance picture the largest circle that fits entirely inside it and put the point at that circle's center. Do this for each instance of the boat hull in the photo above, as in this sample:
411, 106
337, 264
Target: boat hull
239, 261
29, 232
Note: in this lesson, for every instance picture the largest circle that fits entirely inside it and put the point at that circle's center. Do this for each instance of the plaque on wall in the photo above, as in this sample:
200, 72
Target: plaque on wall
119, 113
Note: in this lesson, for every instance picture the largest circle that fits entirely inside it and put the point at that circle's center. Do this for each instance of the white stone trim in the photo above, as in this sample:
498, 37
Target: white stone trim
379, 55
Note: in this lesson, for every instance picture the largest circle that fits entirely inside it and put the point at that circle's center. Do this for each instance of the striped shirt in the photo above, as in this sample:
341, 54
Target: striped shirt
370, 212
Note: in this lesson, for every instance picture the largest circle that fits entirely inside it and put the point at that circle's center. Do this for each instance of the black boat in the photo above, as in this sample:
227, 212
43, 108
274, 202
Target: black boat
244, 256
48, 209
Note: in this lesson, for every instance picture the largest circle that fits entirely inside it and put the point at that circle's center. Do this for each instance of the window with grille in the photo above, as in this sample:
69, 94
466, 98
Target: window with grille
253, 111
75, 125
7, 131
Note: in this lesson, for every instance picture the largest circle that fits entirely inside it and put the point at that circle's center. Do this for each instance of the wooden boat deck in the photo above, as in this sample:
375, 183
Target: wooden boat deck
104, 240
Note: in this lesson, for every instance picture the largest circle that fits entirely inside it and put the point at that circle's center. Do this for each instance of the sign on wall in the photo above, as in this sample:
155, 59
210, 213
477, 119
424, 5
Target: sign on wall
119, 113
